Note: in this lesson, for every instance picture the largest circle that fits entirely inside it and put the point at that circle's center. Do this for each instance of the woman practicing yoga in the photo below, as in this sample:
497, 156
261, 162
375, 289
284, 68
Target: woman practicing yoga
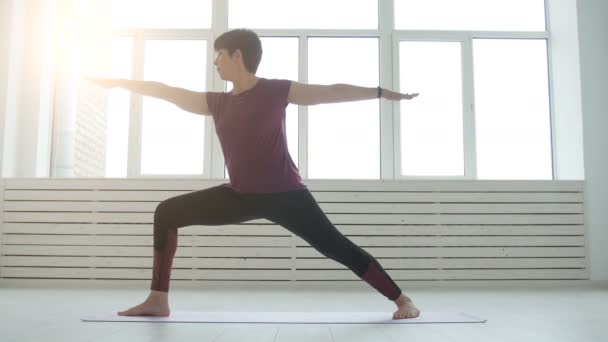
264, 181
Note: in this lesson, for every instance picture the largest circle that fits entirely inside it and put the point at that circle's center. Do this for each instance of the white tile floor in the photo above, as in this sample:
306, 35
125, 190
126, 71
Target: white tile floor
515, 313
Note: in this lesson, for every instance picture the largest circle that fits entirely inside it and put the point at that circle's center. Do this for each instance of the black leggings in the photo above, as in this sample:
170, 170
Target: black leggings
296, 211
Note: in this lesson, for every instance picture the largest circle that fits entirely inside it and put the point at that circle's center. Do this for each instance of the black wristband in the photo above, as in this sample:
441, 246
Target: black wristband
379, 92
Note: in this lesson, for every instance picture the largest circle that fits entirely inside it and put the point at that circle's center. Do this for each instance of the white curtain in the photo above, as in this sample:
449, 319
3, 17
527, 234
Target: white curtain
6, 13
49, 45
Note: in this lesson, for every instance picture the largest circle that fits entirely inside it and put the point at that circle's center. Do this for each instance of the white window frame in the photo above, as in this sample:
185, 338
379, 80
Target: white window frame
467, 98
468, 92
389, 39
140, 36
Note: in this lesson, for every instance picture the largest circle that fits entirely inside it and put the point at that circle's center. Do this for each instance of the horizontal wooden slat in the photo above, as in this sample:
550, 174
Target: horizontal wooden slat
286, 263
444, 197
125, 274
156, 196
313, 185
461, 241
140, 229
95, 240
450, 263
241, 251
334, 218
155, 183
242, 274
302, 275
387, 252
444, 185
391, 208
449, 274
285, 241
419, 252
273, 229
141, 262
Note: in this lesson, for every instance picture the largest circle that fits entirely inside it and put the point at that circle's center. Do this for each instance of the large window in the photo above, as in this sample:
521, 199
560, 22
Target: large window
172, 139
512, 114
431, 126
479, 66
481, 15
161, 14
343, 138
309, 14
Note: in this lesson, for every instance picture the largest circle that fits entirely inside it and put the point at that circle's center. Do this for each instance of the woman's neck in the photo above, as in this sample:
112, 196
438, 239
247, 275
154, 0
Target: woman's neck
244, 83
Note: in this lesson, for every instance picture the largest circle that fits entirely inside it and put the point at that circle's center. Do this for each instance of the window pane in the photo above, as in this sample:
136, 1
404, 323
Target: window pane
117, 139
313, 14
431, 124
280, 60
512, 109
173, 139
161, 14
344, 138
490, 15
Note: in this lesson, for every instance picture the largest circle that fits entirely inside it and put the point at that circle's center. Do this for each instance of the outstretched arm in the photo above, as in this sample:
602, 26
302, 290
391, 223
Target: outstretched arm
191, 101
312, 94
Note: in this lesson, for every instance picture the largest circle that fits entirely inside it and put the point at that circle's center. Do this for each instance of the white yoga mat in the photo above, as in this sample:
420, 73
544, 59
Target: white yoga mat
289, 317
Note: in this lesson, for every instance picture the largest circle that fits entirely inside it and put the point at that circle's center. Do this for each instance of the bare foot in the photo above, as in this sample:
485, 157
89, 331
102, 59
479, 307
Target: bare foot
407, 309
156, 305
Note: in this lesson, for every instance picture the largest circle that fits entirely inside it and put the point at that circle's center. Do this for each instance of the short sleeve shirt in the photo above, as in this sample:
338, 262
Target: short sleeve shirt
251, 129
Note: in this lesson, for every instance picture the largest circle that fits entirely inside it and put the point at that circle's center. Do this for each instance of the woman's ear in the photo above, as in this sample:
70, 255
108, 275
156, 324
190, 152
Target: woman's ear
238, 54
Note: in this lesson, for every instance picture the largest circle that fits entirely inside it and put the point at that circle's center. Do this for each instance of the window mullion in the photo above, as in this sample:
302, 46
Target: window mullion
468, 109
208, 127
135, 119
303, 110
219, 25
387, 141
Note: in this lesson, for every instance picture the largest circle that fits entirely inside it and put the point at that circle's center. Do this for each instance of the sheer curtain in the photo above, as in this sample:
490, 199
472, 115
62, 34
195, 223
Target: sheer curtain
49, 45
5, 25
27, 81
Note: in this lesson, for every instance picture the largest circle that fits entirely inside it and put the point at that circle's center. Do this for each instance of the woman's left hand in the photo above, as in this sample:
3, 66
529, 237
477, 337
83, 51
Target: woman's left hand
394, 96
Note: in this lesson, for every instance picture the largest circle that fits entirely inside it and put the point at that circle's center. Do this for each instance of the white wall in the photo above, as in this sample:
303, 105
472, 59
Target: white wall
27, 101
593, 40
6, 14
566, 112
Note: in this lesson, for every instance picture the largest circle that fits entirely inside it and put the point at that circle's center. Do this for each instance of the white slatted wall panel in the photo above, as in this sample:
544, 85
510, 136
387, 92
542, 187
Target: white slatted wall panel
418, 230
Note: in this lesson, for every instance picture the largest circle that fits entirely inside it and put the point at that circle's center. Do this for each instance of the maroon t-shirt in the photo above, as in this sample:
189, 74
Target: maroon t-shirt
251, 129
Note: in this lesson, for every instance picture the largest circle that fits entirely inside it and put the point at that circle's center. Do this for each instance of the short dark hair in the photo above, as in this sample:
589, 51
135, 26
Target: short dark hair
245, 40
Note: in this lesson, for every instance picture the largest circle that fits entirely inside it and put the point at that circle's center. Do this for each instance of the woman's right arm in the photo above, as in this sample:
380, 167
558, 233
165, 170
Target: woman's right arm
191, 101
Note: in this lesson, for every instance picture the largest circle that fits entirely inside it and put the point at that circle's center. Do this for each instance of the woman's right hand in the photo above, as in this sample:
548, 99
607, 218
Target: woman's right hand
104, 82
